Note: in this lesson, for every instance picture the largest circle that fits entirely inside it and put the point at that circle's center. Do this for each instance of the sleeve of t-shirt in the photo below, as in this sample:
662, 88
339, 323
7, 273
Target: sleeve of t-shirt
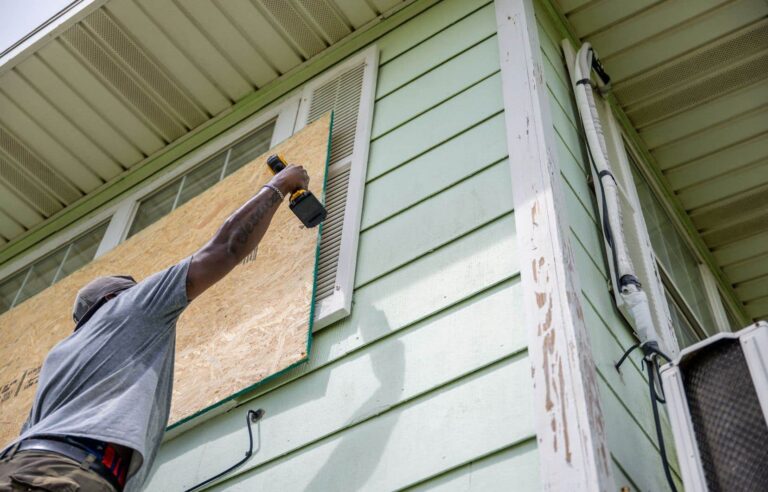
163, 294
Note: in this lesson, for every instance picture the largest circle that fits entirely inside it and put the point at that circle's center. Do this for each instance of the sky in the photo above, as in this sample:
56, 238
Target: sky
19, 17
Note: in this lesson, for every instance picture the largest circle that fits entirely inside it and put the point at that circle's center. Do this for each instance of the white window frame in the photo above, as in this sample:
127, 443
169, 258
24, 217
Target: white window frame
339, 305
28, 258
120, 212
712, 291
641, 250
636, 232
289, 113
71, 235
714, 302
284, 115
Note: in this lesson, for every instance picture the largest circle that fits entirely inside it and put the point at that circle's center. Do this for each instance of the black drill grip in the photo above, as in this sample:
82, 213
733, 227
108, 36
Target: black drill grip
303, 203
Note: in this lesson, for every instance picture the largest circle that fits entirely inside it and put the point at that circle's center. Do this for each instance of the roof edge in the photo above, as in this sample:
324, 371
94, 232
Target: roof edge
247, 106
47, 31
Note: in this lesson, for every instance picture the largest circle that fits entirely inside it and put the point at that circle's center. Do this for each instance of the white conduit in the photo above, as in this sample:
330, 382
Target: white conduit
610, 211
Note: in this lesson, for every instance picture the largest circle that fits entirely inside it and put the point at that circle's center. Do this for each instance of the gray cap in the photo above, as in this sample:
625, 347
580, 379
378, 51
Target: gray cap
95, 291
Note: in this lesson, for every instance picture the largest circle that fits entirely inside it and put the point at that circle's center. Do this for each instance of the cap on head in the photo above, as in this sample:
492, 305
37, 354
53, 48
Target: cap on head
96, 290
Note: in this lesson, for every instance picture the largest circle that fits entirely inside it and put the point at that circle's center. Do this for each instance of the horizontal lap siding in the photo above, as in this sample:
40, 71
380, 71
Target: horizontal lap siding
426, 385
626, 406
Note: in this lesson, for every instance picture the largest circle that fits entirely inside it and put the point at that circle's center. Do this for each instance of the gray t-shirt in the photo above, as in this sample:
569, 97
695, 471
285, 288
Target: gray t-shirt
112, 379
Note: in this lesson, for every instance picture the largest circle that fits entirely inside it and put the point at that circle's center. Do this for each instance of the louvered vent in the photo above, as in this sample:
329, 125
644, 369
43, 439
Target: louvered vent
335, 202
290, 19
327, 19
125, 49
724, 66
729, 80
342, 96
747, 43
121, 80
62, 190
27, 189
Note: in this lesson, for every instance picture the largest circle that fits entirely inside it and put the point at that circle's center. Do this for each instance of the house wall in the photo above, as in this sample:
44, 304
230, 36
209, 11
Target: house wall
624, 396
427, 383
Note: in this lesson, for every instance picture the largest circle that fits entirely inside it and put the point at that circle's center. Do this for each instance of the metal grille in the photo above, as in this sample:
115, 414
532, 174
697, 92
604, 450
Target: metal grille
731, 79
744, 44
37, 168
330, 245
91, 51
27, 189
326, 18
297, 28
126, 49
342, 95
729, 425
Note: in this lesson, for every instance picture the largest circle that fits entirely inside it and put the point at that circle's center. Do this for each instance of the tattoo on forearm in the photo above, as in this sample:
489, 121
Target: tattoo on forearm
246, 225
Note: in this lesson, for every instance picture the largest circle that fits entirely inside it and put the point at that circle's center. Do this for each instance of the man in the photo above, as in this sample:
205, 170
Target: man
104, 393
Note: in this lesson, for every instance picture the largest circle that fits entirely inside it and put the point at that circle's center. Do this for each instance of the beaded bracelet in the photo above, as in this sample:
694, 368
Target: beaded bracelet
274, 188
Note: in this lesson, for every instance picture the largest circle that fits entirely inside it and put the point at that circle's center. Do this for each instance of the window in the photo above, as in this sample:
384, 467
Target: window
348, 90
681, 297
191, 184
689, 306
49, 269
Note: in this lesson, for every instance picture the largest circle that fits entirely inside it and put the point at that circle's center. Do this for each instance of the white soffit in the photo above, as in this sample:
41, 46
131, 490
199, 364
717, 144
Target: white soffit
693, 79
131, 76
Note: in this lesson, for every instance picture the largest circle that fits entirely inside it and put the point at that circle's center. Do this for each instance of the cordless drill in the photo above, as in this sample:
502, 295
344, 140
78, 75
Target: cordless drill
304, 204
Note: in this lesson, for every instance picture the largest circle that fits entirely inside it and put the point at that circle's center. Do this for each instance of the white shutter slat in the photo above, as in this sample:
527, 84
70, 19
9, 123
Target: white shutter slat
332, 233
347, 90
342, 96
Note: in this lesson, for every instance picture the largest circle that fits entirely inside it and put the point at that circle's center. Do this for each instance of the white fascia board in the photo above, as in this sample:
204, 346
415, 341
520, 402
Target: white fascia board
74, 12
572, 447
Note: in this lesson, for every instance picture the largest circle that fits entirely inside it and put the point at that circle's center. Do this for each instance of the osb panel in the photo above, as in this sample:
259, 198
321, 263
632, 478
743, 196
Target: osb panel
253, 323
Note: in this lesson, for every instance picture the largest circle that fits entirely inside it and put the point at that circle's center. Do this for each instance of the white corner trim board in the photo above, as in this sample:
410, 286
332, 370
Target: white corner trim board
572, 447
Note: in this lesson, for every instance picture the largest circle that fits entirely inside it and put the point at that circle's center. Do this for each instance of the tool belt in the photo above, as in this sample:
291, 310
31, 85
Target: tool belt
98, 456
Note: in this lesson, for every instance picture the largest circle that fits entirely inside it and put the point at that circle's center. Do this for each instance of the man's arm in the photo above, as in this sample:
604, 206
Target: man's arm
241, 232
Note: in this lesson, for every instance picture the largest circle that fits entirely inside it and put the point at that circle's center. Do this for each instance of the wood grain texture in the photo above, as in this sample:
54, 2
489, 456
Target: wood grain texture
252, 324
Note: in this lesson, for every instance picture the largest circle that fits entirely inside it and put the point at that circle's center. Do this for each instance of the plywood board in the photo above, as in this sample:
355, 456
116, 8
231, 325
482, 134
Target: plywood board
254, 323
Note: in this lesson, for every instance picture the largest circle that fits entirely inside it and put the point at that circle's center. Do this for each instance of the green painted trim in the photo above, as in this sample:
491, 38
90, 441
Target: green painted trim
659, 185
248, 389
561, 22
244, 108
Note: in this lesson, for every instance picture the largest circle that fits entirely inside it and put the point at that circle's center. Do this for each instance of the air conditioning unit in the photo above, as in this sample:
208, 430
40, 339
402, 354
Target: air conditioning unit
717, 400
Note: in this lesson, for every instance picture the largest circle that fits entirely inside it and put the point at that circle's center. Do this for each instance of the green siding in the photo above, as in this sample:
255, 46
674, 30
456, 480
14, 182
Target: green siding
624, 396
426, 385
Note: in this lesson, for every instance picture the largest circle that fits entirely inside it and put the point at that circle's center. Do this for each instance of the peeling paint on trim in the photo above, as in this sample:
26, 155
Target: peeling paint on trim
570, 428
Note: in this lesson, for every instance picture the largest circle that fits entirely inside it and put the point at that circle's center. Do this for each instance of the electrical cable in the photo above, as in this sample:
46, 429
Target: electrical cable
623, 269
651, 353
252, 416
